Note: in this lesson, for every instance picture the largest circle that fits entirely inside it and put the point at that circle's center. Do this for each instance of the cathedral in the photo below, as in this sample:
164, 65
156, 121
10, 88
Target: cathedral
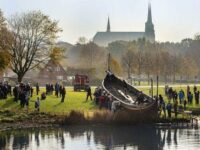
104, 38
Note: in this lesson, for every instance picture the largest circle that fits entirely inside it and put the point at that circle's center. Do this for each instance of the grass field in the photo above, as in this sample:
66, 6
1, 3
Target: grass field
73, 101
177, 88
52, 104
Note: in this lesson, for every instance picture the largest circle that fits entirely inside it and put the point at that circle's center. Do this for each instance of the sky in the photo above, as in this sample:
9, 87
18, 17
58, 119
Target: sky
173, 20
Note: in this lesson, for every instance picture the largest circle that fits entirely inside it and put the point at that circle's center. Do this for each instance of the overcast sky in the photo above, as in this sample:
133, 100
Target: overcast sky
173, 19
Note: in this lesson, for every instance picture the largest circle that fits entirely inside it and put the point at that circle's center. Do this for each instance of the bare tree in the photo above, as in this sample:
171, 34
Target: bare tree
128, 62
33, 34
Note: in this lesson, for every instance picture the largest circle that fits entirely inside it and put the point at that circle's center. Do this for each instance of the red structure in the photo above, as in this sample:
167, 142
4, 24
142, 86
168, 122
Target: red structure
81, 82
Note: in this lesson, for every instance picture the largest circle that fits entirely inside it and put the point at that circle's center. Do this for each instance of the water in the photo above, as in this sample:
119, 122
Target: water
102, 137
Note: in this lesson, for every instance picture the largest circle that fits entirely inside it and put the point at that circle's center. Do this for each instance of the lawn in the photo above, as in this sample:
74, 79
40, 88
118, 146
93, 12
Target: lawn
73, 101
52, 104
177, 88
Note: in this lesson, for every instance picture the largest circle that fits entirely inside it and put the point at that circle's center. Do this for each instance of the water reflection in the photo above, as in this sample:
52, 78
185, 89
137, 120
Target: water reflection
102, 137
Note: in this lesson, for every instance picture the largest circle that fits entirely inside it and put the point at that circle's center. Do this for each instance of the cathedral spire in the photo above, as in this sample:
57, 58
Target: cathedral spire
108, 25
149, 27
149, 19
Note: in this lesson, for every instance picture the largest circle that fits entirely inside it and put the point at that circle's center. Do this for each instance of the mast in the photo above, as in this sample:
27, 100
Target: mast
109, 58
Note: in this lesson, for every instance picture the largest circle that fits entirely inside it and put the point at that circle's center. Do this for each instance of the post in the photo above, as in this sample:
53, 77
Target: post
157, 86
108, 61
151, 87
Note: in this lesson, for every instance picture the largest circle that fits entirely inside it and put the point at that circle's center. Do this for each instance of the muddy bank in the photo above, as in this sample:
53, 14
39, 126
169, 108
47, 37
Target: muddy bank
12, 120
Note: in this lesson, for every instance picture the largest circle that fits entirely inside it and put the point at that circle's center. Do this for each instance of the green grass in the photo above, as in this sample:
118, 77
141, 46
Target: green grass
162, 92
52, 104
73, 101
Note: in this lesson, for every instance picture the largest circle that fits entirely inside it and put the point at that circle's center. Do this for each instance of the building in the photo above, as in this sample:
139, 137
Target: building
51, 73
104, 38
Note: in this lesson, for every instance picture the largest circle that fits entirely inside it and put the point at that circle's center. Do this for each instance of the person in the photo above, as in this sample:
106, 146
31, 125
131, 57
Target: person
51, 89
114, 106
169, 109
176, 108
60, 91
37, 88
22, 98
57, 88
37, 104
195, 88
110, 102
16, 93
181, 96
188, 90
9, 89
43, 96
89, 93
140, 98
97, 94
170, 93
102, 100
184, 103
31, 88
63, 93
110, 75
196, 95
164, 108
27, 99
175, 95
190, 98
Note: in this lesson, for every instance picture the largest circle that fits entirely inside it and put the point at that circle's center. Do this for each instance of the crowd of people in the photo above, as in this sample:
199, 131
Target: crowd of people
59, 89
177, 101
23, 92
5, 89
105, 100
174, 102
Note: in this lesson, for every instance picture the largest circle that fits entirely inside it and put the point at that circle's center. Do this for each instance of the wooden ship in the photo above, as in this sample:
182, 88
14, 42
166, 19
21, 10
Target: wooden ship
133, 100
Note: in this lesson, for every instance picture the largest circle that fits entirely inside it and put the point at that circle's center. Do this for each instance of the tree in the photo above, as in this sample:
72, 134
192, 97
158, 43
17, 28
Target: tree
82, 40
57, 54
115, 66
128, 61
32, 33
117, 48
91, 55
5, 39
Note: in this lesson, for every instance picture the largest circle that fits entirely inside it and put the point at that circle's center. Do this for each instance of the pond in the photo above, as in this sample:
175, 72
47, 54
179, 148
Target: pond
140, 137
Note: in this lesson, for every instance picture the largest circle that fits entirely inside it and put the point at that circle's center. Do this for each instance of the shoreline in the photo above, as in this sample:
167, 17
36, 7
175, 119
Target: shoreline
35, 120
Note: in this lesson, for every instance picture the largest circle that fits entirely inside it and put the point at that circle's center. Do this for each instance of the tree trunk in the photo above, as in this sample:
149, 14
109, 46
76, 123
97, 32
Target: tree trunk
20, 77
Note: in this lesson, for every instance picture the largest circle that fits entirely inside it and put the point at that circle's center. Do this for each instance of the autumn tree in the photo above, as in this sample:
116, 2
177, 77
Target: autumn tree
57, 54
5, 39
115, 66
33, 33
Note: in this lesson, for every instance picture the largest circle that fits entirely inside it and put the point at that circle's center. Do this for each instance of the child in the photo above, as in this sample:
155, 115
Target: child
37, 104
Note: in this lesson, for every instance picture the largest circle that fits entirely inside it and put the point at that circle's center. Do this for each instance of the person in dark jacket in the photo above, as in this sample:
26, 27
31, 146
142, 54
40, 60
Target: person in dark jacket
16, 93
37, 88
63, 93
169, 109
89, 93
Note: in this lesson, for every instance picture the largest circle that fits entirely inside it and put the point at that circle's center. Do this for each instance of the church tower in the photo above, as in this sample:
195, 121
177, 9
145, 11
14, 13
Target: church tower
108, 25
149, 27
